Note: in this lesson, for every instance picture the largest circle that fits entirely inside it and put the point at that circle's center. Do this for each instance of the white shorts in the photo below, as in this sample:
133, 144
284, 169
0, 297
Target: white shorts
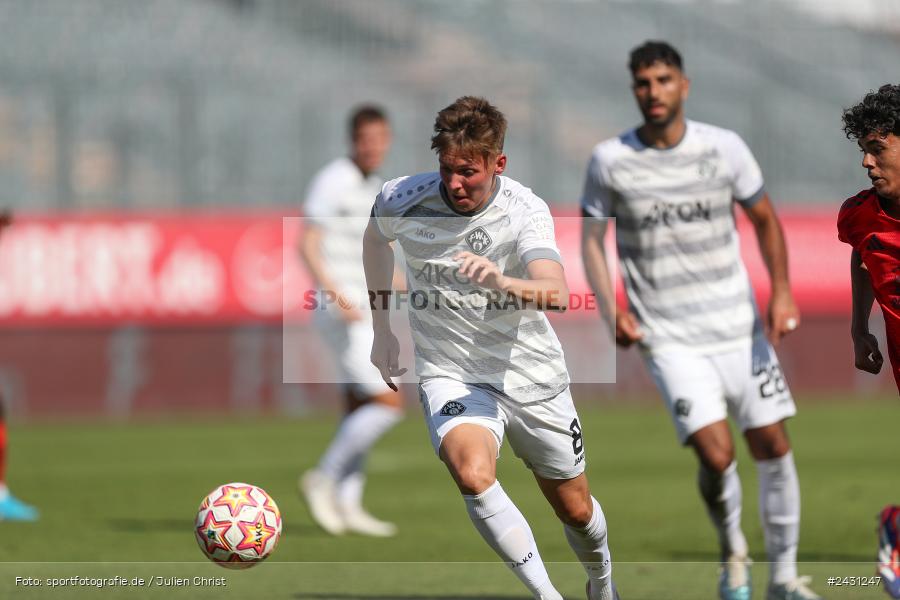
546, 435
702, 389
351, 344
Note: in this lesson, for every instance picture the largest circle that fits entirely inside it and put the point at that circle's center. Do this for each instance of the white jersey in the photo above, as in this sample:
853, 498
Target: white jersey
339, 200
460, 330
675, 233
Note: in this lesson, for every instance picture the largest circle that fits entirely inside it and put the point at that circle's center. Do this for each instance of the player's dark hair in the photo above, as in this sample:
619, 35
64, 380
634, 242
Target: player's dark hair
653, 51
363, 115
879, 112
469, 127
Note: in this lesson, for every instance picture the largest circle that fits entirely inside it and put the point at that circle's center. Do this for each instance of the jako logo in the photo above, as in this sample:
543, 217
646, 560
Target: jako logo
522, 562
424, 233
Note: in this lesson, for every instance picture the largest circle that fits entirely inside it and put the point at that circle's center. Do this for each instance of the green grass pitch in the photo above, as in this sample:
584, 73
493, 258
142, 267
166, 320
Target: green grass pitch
119, 500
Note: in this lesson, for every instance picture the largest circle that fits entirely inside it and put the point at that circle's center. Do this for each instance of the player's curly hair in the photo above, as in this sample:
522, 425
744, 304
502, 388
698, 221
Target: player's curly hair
469, 127
879, 112
653, 51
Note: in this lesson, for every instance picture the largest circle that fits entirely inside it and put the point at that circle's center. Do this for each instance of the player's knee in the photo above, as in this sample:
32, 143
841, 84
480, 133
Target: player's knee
717, 460
472, 477
769, 447
768, 442
576, 513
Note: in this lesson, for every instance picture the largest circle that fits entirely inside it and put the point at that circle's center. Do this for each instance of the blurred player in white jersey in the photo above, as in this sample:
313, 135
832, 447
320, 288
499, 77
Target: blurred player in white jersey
482, 264
671, 185
337, 208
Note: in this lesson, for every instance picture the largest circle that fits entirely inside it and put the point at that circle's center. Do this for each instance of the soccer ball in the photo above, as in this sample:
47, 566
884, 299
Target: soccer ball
238, 525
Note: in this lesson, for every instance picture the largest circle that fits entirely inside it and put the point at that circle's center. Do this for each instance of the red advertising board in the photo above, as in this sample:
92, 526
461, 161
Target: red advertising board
228, 268
153, 269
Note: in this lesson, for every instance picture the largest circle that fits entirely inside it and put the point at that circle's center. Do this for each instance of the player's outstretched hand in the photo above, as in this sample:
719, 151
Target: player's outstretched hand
480, 270
784, 317
627, 329
868, 357
386, 357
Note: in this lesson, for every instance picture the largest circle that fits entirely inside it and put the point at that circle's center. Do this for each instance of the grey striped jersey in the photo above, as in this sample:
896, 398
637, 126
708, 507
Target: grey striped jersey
460, 330
338, 201
675, 233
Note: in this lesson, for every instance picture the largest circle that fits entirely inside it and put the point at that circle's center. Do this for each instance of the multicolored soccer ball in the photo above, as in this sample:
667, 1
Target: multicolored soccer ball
238, 525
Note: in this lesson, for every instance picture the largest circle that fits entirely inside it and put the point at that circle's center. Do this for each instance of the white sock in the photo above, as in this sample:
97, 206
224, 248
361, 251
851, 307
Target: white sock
589, 545
722, 494
356, 434
506, 531
350, 488
779, 503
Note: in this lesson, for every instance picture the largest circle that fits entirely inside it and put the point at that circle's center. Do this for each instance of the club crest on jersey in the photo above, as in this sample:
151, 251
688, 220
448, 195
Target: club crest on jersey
453, 408
706, 169
682, 407
479, 240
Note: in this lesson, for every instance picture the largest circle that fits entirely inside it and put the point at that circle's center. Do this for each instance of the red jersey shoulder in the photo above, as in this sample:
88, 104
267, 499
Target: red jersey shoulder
858, 200
856, 214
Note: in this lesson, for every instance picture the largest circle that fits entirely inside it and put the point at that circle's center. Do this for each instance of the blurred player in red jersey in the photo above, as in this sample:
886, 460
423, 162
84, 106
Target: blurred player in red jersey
11, 508
870, 223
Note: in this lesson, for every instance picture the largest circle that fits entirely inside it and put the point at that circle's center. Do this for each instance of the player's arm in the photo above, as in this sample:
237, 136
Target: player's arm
398, 281
311, 254
621, 323
783, 315
593, 254
865, 346
545, 289
597, 201
378, 263
310, 247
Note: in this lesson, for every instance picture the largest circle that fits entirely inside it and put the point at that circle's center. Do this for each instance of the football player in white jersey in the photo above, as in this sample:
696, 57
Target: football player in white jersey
337, 208
482, 264
671, 185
